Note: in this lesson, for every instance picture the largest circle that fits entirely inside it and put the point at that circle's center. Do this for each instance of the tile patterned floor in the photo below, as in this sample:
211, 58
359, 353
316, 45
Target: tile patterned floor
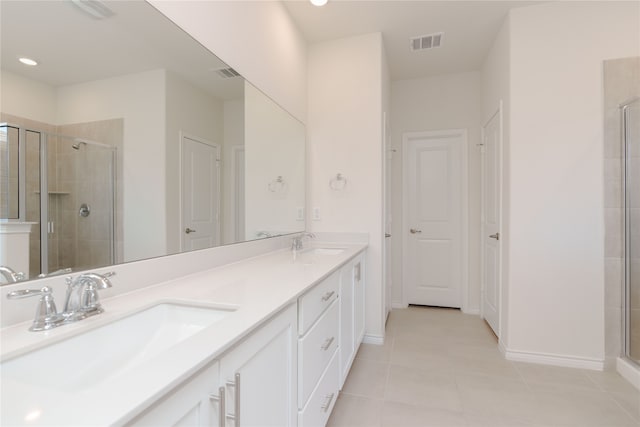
439, 367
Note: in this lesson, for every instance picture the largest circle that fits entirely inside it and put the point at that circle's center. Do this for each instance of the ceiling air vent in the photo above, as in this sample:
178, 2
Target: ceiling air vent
227, 73
429, 41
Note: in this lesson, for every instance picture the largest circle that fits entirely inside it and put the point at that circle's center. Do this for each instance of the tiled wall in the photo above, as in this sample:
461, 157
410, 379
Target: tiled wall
74, 177
90, 178
8, 172
621, 83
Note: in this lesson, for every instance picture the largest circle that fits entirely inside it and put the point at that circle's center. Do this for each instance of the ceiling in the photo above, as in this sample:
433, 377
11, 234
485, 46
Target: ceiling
469, 29
73, 47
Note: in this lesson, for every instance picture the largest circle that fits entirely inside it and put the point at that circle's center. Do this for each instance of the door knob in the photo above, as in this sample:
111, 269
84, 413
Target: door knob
495, 236
189, 230
414, 231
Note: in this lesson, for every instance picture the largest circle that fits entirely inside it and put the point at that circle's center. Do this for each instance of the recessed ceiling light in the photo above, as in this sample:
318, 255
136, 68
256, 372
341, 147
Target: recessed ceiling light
28, 61
318, 2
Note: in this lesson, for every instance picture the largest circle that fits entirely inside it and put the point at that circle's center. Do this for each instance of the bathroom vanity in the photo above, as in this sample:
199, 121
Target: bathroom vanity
263, 341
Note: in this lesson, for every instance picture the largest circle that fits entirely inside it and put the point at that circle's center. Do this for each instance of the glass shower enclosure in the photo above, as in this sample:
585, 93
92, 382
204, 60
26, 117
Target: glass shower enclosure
66, 186
631, 145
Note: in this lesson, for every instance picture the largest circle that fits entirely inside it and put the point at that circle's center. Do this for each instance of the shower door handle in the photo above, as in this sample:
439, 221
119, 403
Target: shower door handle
189, 230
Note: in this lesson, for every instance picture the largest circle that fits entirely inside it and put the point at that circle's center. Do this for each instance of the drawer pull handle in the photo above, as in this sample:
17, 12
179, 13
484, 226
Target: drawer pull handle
236, 404
221, 409
327, 344
327, 402
328, 295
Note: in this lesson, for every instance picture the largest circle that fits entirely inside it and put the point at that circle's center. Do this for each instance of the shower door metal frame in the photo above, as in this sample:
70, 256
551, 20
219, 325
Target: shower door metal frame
624, 108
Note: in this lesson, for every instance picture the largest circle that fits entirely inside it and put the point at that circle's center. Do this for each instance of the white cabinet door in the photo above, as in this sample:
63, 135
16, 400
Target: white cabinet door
359, 291
346, 320
352, 291
194, 403
259, 375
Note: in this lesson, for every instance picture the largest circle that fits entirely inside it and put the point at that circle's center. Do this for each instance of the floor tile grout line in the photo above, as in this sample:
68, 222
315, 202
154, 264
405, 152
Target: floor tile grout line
625, 410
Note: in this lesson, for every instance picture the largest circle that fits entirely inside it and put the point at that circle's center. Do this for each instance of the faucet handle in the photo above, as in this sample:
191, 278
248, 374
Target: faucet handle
25, 293
90, 299
47, 316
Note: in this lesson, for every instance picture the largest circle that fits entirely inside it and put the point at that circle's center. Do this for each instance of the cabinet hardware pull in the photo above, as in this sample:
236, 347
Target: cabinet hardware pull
328, 295
236, 404
327, 344
327, 403
220, 398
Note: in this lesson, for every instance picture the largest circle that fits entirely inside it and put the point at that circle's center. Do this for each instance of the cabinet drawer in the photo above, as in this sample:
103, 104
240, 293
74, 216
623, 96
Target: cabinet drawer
314, 302
315, 351
323, 398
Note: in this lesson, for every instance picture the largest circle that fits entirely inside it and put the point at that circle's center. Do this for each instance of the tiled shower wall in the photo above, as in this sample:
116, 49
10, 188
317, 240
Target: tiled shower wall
621, 83
85, 171
74, 177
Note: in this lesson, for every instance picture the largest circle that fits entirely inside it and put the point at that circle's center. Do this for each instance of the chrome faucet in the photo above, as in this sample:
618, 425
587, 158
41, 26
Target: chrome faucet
82, 301
47, 315
82, 298
297, 243
10, 275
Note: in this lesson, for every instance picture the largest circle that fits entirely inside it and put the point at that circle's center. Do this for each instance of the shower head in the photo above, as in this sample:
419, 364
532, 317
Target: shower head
77, 144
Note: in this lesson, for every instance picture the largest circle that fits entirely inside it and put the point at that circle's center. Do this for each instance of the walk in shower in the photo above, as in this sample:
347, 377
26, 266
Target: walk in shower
65, 186
630, 119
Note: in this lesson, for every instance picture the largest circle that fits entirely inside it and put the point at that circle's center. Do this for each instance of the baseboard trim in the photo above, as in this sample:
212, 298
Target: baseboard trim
398, 305
475, 311
373, 339
629, 371
553, 359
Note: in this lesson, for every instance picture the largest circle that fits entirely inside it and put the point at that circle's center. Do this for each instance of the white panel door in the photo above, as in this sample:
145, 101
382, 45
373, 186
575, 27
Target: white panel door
200, 194
388, 242
433, 218
238, 193
491, 256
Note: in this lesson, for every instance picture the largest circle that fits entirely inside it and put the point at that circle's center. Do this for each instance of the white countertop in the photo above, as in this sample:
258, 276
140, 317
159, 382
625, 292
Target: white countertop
256, 288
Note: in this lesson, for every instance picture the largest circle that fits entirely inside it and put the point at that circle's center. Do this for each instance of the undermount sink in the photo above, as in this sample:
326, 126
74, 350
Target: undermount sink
112, 350
327, 251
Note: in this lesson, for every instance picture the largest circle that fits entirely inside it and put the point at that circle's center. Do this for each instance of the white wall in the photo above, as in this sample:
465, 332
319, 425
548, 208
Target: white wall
197, 114
233, 137
556, 242
344, 129
257, 38
435, 103
140, 100
27, 98
495, 89
274, 144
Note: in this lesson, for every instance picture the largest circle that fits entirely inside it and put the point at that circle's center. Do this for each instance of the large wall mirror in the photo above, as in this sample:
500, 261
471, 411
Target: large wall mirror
130, 140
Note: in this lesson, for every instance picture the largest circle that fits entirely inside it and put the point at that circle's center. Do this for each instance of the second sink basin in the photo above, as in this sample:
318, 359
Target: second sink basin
112, 350
327, 251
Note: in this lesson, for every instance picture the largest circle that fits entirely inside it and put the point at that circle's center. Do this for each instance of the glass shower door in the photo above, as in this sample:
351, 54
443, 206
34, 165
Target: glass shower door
631, 138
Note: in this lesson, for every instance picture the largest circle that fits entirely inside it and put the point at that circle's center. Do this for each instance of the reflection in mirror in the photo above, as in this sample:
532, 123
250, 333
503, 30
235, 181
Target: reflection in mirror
130, 140
9, 198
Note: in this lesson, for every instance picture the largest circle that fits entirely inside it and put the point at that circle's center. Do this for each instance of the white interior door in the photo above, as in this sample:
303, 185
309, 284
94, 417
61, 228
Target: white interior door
491, 202
434, 195
238, 193
388, 242
200, 194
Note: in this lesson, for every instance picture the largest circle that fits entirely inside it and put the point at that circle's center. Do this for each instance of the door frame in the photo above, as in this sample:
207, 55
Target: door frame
235, 200
218, 147
498, 112
464, 217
